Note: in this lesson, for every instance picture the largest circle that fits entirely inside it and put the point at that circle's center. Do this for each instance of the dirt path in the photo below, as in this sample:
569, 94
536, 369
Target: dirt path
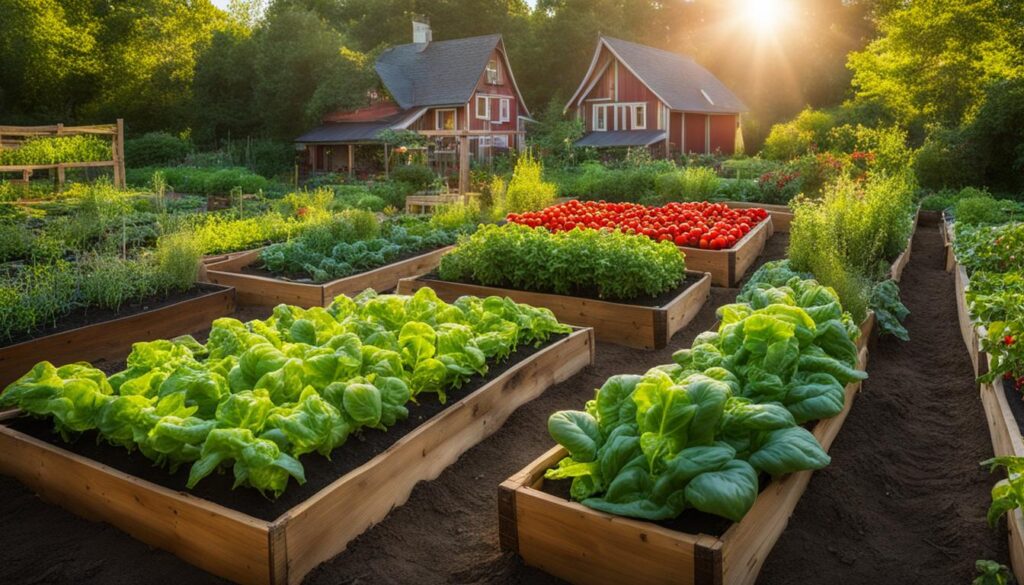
904, 500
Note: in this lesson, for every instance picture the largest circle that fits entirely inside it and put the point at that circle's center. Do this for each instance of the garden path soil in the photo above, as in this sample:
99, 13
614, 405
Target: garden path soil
904, 500
447, 531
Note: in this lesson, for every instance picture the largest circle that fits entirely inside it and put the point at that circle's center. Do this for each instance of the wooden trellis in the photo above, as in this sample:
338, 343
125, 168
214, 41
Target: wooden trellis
13, 136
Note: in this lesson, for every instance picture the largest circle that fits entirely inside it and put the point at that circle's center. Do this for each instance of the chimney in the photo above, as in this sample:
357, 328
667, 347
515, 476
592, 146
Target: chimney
421, 33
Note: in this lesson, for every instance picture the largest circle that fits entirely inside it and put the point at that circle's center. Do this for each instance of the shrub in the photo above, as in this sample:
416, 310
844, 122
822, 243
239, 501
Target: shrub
393, 192
945, 161
737, 190
420, 177
978, 207
598, 182
690, 184
16, 241
456, 215
202, 180
155, 149
748, 168
268, 158
778, 187
527, 190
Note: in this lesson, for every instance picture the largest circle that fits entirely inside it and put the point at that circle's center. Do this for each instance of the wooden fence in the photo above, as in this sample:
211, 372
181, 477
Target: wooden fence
13, 136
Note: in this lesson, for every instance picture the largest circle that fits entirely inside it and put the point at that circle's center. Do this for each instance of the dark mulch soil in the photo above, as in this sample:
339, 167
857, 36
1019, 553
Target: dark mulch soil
904, 501
90, 316
643, 301
320, 471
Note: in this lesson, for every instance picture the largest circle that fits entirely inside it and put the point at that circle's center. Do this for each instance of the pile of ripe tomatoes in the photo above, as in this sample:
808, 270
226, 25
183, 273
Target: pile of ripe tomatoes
711, 226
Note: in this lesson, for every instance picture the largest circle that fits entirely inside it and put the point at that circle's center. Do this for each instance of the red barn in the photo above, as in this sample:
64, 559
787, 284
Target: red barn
635, 95
459, 93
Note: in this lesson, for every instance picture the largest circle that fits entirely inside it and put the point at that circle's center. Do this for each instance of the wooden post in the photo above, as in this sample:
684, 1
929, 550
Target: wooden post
119, 172
386, 173
351, 159
60, 177
463, 163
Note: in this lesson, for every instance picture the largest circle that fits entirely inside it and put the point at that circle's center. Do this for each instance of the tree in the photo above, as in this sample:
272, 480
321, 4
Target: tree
935, 58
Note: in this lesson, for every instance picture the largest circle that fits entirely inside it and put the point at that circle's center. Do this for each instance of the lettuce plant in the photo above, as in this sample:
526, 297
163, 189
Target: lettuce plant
697, 433
260, 395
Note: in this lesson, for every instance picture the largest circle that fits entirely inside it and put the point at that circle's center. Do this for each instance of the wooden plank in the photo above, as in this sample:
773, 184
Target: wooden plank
68, 165
969, 332
1006, 441
322, 526
727, 267
637, 326
584, 546
112, 340
216, 539
896, 272
256, 290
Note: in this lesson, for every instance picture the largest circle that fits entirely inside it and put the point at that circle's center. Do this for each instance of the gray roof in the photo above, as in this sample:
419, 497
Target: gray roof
444, 73
341, 132
622, 138
677, 79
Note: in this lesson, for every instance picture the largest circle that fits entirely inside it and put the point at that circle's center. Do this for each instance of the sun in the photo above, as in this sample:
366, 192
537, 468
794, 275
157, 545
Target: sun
766, 16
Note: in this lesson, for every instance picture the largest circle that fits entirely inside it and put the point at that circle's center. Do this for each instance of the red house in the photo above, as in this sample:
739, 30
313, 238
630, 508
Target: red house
635, 95
459, 93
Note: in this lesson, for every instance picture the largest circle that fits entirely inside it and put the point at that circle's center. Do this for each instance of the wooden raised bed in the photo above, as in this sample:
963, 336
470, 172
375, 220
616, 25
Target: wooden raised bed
112, 340
1006, 441
896, 272
267, 291
245, 549
929, 218
638, 326
584, 546
782, 215
727, 267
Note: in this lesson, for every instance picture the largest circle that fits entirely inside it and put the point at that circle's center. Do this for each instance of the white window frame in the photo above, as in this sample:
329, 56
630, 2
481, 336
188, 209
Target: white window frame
439, 118
504, 110
600, 114
493, 74
499, 141
634, 112
485, 113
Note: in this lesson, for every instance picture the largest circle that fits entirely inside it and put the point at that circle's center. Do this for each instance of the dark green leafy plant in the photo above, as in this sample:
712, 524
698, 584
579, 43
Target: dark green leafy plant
57, 149
1007, 494
610, 265
992, 573
696, 433
889, 310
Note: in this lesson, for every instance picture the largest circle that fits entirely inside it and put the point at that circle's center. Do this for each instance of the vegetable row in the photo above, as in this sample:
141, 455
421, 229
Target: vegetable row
698, 433
259, 395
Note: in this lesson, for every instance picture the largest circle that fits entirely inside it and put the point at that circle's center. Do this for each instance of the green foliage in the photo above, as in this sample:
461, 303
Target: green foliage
57, 149
596, 181
352, 243
418, 177
553, 135
804, 134
696, 433
889, 309
1007, 494
992, 573
609, 265
981, 208
689, 184
260, 395
202, 180
108, 282
155, 149
456, 215
527, 190
35, 297
177, 257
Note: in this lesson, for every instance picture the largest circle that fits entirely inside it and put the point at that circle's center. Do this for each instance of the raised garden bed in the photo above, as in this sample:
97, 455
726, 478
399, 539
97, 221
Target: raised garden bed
782, 215
898, 265
929, 218
727, 267
584, 546
246, 546
257, 290
971, 333
1004, 412
643, 325
112, 338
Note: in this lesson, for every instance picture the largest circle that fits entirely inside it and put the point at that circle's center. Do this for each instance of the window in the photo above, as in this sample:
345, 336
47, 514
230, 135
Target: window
500, 141
483, 108
444, 119
493, 73
503, 110
600, 118
640, 117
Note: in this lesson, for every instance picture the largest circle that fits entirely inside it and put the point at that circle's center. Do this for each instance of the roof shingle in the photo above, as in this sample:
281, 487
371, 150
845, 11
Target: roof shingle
443, 73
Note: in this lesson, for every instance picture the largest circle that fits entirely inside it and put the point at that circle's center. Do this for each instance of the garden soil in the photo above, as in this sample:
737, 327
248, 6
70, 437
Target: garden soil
903, 502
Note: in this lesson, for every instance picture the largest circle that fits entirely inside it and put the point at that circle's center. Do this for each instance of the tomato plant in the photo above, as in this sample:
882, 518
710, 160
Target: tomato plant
713, 226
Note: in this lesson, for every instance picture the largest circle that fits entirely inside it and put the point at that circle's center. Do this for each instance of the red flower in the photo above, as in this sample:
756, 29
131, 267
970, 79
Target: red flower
1009, 340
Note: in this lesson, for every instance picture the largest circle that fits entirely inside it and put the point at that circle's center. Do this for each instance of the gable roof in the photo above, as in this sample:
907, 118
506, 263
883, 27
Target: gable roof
360, 131
676, 79
440, 74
